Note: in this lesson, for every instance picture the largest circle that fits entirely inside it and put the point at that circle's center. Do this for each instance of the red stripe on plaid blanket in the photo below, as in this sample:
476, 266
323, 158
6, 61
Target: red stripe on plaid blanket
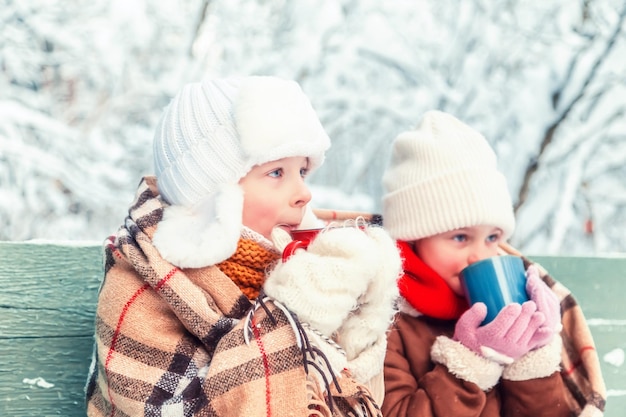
266, 367
584, 348
165, 279
578, 362
573, 368
120, 321
113, 248
116, 335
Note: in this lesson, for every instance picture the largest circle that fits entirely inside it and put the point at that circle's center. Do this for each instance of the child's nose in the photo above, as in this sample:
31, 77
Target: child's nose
478, 254
302, 195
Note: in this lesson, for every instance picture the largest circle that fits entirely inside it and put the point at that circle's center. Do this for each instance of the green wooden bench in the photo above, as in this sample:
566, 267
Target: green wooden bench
48, 295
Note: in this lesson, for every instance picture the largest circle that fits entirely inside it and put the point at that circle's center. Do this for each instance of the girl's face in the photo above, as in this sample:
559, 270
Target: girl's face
275, 195
448, 253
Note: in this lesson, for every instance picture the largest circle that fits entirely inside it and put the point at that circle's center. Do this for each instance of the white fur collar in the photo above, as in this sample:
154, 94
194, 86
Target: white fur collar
203, 235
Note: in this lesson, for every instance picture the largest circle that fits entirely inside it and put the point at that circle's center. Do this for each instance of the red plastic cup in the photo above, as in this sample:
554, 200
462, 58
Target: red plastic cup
301, 240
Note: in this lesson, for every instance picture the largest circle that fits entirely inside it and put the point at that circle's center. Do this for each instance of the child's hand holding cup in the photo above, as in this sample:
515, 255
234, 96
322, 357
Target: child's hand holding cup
303, 237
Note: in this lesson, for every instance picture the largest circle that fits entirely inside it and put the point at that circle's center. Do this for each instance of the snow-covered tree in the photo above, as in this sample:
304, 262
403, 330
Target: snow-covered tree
81, 91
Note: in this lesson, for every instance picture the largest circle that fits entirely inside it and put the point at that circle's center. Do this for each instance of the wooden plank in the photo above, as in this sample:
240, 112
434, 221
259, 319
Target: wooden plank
599, 286
29, 364
47, 306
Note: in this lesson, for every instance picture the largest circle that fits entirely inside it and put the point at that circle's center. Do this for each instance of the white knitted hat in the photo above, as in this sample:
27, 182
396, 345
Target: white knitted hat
209, 137
443, 176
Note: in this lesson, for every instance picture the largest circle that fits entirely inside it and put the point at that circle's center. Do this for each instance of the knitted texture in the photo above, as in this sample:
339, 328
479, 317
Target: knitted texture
208, 138
215, 131
580, 364
172, 342
197, 128
322, 284
443, 176
247, 266
344, 286
506, 338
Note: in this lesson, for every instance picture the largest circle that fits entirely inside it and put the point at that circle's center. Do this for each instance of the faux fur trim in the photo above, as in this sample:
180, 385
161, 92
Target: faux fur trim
203, 235
538, 363
465, 364
275, 120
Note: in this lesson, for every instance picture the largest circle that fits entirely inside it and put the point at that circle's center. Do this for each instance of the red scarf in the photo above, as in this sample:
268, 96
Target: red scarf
425, 290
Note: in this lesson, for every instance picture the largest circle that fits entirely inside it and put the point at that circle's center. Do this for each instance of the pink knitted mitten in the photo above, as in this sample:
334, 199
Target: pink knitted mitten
547, 303
504, 339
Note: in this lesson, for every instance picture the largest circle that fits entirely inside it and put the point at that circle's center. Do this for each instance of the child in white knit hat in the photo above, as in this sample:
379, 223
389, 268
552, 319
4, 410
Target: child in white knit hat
184, 325
448, 206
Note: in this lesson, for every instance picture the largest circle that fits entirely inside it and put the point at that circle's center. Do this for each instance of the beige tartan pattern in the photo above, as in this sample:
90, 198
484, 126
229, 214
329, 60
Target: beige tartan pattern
171, 341
580, 364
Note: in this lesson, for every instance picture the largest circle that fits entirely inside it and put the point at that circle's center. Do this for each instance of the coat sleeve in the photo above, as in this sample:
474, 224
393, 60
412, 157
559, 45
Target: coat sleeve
533, 385
416, 386
540, 397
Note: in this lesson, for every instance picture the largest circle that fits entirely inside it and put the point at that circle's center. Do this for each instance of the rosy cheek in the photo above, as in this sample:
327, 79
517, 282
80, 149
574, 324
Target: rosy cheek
455, 284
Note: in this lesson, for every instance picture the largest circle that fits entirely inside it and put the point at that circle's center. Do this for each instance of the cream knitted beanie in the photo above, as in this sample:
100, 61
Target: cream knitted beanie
209, 137
443, 176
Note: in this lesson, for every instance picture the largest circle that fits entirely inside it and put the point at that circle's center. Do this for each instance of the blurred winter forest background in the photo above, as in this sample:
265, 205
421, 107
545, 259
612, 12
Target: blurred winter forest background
83, 83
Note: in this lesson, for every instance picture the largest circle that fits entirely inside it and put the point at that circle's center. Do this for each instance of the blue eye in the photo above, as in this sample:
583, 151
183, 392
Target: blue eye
304, 172
460, 238
494, 237
277, 173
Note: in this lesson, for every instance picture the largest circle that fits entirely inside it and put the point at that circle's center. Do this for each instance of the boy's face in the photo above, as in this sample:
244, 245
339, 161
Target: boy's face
448, 253
275, 195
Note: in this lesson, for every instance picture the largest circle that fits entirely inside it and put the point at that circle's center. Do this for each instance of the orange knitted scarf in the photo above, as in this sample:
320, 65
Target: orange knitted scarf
248, 265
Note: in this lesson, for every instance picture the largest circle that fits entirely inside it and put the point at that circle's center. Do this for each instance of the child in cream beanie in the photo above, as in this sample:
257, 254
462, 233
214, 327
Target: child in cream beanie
448, 206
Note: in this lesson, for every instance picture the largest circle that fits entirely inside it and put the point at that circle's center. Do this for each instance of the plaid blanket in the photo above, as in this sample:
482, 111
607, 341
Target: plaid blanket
580, 364
174, 342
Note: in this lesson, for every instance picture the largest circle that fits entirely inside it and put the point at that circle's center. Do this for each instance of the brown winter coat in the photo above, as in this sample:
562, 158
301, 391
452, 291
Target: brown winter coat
416, 386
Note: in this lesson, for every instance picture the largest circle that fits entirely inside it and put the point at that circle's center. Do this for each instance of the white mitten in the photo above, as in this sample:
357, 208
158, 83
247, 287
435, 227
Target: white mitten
376, 306
322, 284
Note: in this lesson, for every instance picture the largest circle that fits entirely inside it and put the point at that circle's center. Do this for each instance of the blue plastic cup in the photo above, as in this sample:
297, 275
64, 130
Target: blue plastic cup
497, 281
